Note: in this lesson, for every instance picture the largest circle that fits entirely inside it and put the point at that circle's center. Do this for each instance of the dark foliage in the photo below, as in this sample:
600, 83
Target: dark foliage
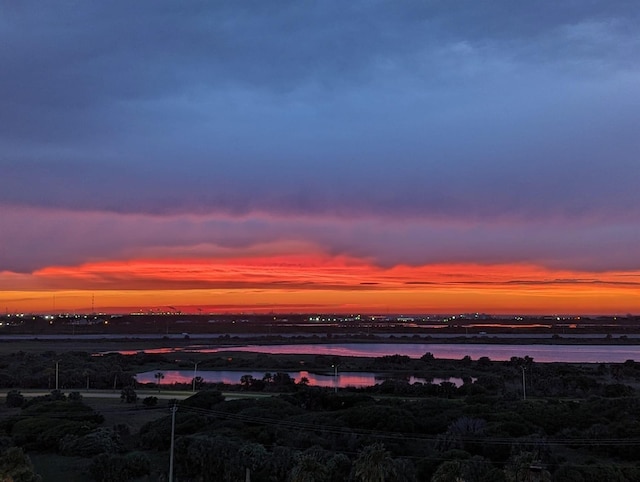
119, 468
14, 399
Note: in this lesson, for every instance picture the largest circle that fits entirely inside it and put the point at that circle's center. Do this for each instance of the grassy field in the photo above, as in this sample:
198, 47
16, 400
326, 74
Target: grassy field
134, 416
58, 468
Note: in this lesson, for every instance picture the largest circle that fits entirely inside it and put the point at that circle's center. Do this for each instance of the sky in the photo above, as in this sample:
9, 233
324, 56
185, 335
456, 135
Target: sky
296, 156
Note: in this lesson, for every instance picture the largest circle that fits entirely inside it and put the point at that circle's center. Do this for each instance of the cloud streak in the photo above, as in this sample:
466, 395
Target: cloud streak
35, 239
388, 133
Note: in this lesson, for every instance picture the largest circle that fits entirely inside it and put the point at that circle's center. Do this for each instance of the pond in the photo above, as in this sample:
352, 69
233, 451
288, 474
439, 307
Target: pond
342, 380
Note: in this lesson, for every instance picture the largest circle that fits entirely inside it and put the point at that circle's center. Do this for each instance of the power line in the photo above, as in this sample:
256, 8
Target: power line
279, 423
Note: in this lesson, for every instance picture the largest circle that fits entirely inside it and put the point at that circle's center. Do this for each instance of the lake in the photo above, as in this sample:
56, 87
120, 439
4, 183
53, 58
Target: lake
540, 353
343, 379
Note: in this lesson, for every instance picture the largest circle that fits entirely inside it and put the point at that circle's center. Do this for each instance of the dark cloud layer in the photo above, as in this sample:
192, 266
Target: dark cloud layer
472, 112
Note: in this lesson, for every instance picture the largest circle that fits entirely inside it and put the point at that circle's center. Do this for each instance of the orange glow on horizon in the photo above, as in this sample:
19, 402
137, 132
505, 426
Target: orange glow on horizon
317, 283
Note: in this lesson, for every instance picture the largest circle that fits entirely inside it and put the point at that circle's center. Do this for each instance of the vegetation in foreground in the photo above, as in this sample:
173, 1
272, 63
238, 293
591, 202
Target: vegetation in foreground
577, 423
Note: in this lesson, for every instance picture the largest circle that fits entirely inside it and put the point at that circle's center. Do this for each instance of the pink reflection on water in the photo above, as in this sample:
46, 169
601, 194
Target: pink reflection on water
229, 377
153, 351
540, 353
503, 326
355, 349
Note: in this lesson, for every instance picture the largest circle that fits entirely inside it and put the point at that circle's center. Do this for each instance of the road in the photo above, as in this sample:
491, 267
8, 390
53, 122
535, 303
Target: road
111, 394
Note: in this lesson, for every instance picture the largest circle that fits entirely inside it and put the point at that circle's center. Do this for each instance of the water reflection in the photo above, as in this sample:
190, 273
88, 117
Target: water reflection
343, 380
540, 353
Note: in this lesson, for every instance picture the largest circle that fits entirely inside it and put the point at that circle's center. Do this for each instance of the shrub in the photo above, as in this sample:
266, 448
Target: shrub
102, 440
14, 399
70, 410
205, 399
138, 464
16, 465
428, 357
615, 390
75, 396
57, 395
128, 395
119, 468
43, 433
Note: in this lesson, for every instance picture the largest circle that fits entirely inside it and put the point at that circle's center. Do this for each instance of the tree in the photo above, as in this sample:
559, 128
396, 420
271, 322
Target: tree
463, 433
428, 357
119, 468
75, 396
374, 464
282, 380
16, 466
246, 381
474, 469
308, 469
197, 382
521, 466
253, 457
158, 376
303, 382
101, 440
14, 399
484, 361
128, 395
449, 471
210, 456
57, 395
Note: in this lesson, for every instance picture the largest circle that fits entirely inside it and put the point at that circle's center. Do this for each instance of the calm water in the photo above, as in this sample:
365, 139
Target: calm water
540, 353
343, 380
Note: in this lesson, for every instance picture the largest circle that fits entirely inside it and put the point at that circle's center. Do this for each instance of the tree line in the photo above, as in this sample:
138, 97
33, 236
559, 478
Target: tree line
509, 421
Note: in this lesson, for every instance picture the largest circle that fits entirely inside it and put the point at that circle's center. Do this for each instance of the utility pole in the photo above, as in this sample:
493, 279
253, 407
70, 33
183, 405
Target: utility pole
335, 378
524, 385
195, 373
174, 409
57, 375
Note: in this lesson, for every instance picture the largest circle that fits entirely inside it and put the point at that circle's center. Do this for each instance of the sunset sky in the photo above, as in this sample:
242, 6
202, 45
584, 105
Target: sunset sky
293, 156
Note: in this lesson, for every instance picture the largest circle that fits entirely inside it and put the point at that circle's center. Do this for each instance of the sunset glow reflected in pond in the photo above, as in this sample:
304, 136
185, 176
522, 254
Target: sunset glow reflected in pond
343, 380
540, 353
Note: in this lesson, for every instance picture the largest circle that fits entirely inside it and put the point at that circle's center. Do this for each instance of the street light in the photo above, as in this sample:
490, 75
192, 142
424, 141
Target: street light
335, 378
195, 372
174, 409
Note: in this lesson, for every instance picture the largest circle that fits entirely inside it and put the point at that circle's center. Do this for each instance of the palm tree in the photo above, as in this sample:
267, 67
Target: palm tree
308, 469
374, 464
159, 376
449, 471
303, 382
246, 381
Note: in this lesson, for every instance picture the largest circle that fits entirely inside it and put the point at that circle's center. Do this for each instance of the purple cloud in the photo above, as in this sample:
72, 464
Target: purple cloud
402, 132
36, 239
